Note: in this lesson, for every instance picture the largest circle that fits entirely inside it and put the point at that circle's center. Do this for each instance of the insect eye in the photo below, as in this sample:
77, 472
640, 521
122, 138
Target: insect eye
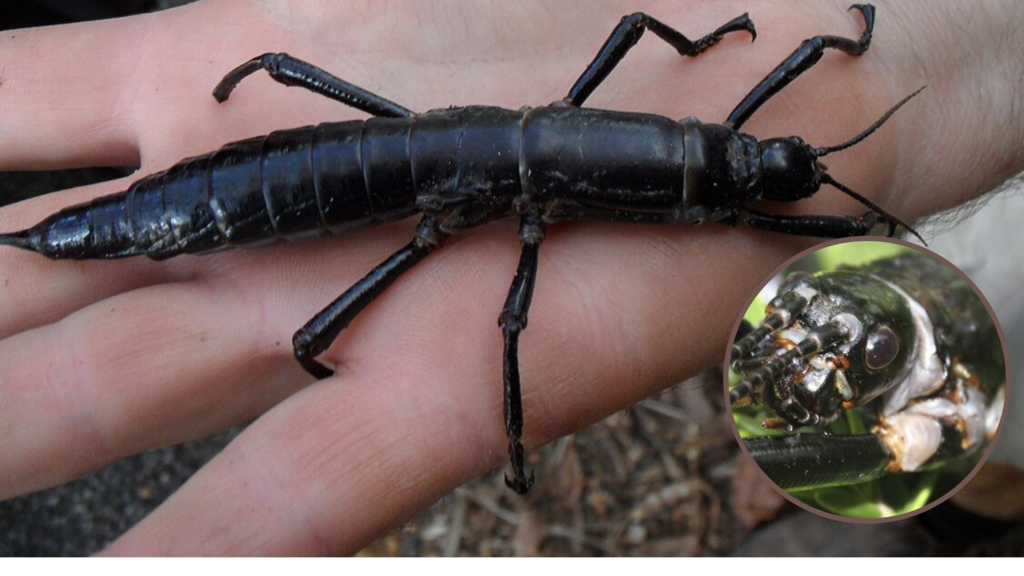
881, 349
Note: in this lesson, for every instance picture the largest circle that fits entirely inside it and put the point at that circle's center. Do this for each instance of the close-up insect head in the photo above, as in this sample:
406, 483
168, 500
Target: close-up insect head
868, 379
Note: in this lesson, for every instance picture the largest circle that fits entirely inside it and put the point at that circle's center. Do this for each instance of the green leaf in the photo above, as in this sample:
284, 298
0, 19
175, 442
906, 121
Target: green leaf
846, 501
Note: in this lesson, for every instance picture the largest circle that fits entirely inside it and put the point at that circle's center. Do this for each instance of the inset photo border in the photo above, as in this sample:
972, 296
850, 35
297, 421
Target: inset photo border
868, 379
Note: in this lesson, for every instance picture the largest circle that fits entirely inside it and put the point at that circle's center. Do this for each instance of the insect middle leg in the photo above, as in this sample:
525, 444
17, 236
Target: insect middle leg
628, 33
294, 72
512, 322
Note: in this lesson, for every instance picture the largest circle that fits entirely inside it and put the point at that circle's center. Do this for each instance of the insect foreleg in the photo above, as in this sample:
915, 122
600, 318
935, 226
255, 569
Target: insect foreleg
317, 335
294, 72
628, 32
512, 322
810, 225
807, 55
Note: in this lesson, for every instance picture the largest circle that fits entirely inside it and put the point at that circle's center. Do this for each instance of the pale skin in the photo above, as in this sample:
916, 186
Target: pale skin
100, 360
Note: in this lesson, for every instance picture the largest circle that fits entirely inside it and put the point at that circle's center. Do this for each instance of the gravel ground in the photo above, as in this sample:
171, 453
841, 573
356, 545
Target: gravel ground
663, 478
83, 516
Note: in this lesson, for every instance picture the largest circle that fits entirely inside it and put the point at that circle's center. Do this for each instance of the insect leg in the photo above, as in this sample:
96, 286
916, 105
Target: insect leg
810, 225
813, 460
294, 72
512, 322
628, 33
807, 55
318, 334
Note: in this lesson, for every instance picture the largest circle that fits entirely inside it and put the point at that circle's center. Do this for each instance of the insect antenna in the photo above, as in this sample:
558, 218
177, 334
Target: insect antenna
885, 214
826, 150
826, 179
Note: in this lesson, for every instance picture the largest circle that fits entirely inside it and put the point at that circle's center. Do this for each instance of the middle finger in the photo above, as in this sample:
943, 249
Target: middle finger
145, 369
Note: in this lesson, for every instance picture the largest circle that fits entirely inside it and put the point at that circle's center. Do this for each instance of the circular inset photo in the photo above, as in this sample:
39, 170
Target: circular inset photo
868, 380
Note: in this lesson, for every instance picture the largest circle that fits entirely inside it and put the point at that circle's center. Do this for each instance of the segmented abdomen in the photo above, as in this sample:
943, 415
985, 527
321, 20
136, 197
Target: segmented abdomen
287, 184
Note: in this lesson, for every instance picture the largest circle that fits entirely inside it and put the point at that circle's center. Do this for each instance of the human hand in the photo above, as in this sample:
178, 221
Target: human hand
104, 359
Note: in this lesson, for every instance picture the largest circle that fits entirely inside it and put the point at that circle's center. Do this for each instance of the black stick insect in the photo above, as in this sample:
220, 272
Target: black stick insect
461, 167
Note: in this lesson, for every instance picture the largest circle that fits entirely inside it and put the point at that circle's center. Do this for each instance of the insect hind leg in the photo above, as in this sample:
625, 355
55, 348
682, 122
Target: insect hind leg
317, 335
294, 72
